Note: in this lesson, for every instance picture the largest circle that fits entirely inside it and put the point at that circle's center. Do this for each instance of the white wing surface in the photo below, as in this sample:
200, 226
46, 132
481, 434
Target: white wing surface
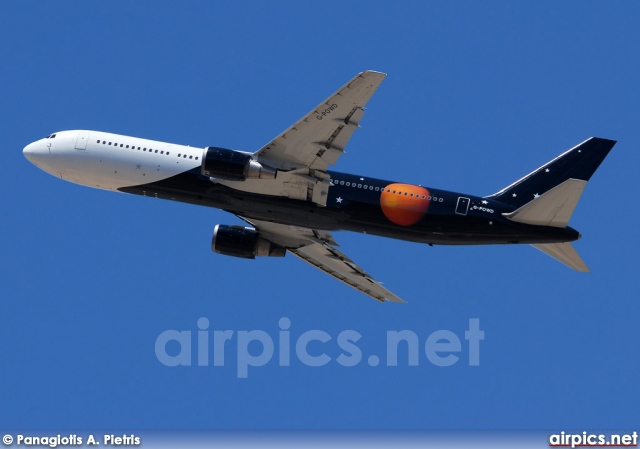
320, 137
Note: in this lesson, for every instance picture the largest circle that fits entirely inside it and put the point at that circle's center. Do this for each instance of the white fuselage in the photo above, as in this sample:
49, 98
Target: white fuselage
110, 161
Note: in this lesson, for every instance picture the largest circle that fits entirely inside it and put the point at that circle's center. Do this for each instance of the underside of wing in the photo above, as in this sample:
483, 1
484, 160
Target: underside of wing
338, 265
318, 249
320, 137
300, 156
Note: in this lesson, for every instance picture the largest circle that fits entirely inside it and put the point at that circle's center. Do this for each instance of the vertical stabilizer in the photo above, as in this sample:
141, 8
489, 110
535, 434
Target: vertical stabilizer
578, 163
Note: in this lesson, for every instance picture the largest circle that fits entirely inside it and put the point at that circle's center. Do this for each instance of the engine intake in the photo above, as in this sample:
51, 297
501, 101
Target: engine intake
240, 241
232, 165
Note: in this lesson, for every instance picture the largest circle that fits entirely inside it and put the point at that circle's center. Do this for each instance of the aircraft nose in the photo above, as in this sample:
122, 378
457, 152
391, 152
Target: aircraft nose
28, 152
34, 152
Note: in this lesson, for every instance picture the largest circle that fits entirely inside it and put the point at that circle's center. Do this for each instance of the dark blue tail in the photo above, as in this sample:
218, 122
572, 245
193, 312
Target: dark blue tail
579, 163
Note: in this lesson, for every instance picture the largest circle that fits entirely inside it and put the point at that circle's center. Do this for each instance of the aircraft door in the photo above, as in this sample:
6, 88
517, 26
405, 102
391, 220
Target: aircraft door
81, 141
463, 206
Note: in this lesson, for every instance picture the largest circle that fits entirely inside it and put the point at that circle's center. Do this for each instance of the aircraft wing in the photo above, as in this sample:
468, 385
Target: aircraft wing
319, 138
302, 153
318, 249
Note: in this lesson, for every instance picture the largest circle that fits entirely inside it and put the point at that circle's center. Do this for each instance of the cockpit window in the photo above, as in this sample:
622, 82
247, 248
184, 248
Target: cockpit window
51, 136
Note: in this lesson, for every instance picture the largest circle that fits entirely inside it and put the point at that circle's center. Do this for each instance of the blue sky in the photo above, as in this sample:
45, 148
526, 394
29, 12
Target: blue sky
477, 95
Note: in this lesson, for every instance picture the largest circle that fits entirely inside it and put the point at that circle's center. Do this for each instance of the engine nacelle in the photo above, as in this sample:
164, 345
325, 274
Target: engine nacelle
232, 165
239, 241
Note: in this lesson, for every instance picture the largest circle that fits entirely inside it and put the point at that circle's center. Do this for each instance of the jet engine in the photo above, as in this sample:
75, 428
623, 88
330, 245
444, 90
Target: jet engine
239, 241
232, 165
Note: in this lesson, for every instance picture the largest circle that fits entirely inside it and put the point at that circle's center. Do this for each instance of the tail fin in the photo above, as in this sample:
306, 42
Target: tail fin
548, 196
577, 164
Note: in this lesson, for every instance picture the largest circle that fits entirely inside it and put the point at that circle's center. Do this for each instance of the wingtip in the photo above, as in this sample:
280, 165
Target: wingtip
374, 72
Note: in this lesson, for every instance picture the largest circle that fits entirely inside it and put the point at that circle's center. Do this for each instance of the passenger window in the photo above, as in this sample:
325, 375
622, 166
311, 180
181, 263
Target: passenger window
190, 157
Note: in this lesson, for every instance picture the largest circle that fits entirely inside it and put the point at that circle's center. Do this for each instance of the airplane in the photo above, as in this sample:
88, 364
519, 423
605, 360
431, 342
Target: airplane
292, 202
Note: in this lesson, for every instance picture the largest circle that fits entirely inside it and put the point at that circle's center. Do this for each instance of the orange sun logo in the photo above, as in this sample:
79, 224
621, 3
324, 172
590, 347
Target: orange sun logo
404, 204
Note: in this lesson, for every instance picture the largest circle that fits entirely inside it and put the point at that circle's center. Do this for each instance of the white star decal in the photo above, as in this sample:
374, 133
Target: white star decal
547, 170
491, 223
485, 202
536, 195
339, 200
515, 195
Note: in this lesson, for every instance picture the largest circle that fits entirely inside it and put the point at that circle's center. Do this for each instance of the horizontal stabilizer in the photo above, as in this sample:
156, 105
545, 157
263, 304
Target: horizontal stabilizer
553, 208
565, 253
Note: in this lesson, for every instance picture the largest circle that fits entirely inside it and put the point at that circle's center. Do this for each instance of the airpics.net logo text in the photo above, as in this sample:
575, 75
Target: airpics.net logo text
256, 348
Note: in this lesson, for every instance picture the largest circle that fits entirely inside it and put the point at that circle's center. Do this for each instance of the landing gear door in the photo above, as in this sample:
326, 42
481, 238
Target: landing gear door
463, 206
81, 141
